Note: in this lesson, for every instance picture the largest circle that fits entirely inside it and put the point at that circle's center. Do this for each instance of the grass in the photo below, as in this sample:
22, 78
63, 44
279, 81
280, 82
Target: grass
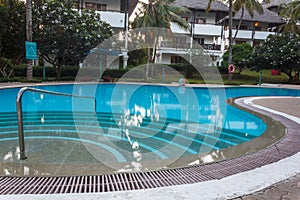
247, 77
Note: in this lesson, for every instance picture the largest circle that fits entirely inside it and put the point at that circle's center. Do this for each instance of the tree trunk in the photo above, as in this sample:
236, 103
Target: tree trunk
240, 22
230, 39
148, 63
29, 34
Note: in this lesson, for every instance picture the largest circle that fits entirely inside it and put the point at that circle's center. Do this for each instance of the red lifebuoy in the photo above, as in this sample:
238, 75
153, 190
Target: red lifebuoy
231, 68
229, 101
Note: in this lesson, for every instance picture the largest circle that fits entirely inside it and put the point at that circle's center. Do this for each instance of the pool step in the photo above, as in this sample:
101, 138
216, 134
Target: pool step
152, 134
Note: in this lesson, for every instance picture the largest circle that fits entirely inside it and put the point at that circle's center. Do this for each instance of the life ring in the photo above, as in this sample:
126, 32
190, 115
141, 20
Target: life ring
231, 68
229, 101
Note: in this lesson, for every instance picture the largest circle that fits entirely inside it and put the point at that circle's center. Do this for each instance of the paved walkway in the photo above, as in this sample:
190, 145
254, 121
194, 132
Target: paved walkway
288, 189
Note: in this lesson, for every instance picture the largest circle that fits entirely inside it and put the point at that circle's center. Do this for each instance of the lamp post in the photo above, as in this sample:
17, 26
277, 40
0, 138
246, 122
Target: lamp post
255, 25
125, 50
192, 34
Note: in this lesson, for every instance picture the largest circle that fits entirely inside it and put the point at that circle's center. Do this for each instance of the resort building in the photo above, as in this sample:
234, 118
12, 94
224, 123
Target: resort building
209, 29
254, 30
112, 11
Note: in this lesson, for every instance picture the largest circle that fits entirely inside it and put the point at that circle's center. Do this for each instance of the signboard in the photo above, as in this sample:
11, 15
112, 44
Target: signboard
31, 50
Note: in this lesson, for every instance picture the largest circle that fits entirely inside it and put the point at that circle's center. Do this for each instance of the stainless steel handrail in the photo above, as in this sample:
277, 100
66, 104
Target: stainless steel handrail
20, 112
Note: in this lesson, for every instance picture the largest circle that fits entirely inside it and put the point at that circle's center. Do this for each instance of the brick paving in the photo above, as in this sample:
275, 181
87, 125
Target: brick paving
285, 190
288, 189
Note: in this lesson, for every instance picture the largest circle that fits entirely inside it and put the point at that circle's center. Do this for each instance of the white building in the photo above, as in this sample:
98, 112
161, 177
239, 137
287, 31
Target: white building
111, 11
210, 29
204, 29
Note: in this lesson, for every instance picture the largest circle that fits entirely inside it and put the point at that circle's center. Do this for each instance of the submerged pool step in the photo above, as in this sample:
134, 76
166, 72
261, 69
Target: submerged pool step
151, 134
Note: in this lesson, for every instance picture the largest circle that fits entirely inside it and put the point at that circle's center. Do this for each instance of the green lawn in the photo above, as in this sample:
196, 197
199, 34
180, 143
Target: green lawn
247, 77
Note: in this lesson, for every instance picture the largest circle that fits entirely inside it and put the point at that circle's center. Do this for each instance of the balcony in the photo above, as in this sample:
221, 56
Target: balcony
199, 29
247, 34
114, 18
165, 44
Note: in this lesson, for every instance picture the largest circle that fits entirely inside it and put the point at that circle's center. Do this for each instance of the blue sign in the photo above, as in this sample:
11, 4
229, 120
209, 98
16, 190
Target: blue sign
31, 51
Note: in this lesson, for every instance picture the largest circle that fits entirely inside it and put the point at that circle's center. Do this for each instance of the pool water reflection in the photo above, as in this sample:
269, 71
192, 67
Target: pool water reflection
137, 127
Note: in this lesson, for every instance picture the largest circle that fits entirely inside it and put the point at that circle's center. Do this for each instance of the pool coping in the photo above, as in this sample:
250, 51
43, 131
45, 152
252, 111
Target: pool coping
286, 147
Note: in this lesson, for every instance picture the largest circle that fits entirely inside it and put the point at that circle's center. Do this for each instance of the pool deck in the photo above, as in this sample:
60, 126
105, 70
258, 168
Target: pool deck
279, 188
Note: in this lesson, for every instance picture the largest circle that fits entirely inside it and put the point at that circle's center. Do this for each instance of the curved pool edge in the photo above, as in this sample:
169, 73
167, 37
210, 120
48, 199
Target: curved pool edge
274, 133
286, 147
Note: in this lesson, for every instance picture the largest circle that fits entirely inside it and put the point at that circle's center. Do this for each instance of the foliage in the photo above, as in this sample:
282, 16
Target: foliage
6, 67
240, 54
115, 73
137, 57
12, 30
250, 6
160, 13
291, 12
278, 52
63, 34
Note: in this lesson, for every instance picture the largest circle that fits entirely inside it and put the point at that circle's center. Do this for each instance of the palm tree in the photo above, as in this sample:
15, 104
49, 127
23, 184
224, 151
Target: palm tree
250, 6
160, 14
29, 34
291, 12
230, 9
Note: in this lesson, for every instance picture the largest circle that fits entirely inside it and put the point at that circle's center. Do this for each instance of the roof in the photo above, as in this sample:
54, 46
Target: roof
275, 3
202, 5
132, 5
268, 17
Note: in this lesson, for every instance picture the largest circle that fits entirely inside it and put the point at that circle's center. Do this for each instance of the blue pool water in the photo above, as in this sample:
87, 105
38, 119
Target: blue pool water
134, 121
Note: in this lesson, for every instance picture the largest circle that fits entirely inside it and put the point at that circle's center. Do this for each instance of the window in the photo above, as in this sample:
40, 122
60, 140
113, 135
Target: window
92, 6
199, 40
240, 41
180, 40
101, 7
242, 27
95, 6
200, 20
177, 60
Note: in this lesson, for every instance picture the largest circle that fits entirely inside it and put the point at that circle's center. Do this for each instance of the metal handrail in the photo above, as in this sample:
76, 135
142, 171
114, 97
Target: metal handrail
20, 112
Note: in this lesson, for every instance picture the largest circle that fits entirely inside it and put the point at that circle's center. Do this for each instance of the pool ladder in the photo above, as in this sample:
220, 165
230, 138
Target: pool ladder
20, 112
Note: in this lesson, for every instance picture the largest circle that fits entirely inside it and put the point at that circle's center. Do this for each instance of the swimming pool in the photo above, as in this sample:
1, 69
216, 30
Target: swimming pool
136, 127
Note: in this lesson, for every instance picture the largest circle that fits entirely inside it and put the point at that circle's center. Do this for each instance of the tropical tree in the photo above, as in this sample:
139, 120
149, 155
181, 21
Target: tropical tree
291, 12
12, 30
29, 34
160, 14
240, 56
278, 52
64, 35
250, 6
236, 5
230, 9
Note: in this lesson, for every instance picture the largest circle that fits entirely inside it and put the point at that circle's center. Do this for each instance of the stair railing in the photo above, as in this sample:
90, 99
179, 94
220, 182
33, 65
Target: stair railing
20, 112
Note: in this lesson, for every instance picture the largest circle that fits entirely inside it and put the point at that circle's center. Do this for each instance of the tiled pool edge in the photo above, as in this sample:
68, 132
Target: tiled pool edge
145, 180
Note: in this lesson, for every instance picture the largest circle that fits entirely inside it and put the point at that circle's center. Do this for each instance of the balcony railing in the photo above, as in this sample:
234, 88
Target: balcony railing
115, 19
251, 34
200, 29
166, 44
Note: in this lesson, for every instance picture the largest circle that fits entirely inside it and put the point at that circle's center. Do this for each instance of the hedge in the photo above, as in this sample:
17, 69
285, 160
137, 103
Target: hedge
69, 72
